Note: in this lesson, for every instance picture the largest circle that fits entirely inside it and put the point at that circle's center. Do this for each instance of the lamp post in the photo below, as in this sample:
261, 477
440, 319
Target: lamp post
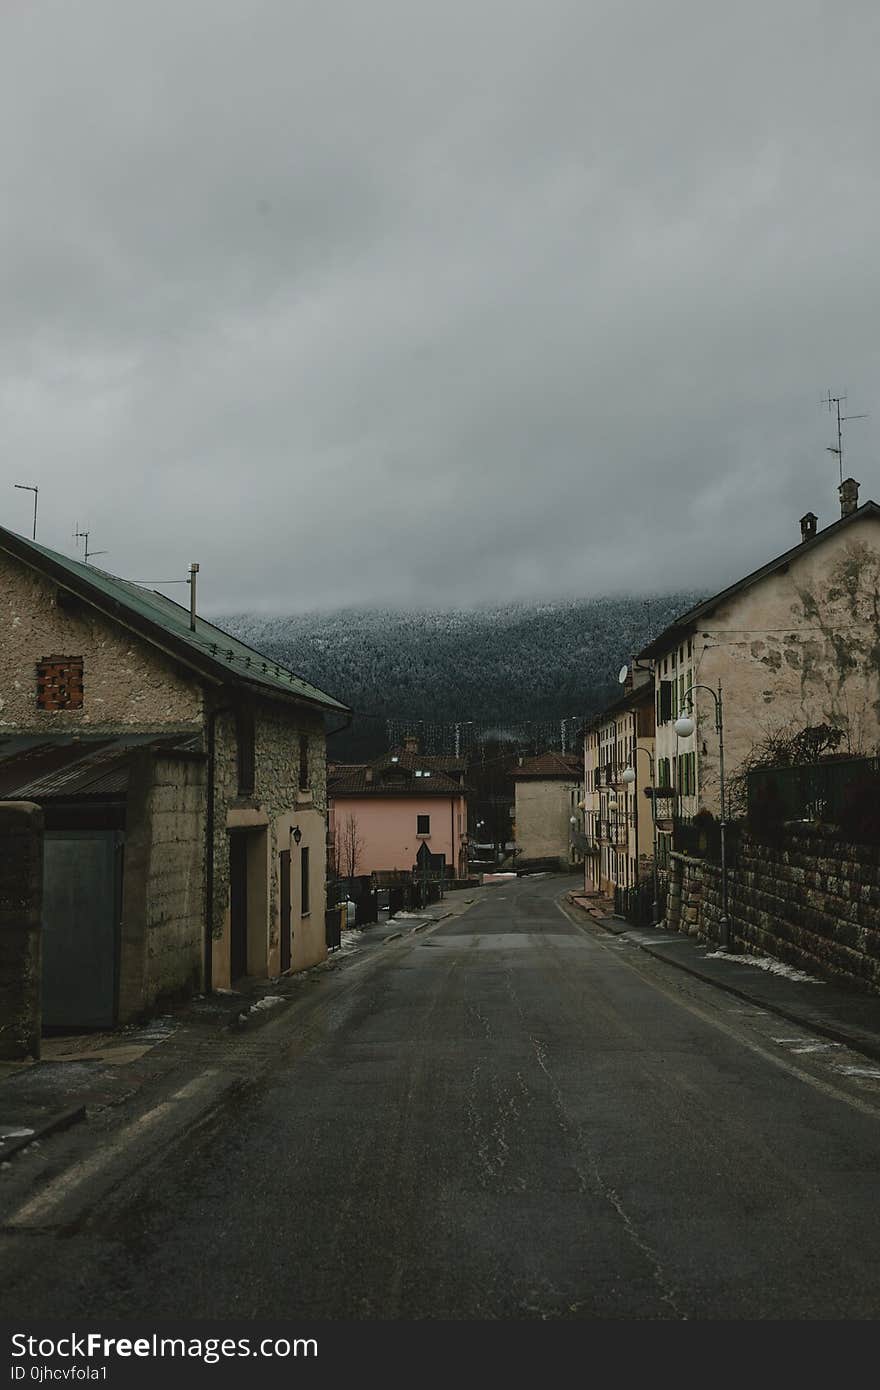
684, 726
629, 777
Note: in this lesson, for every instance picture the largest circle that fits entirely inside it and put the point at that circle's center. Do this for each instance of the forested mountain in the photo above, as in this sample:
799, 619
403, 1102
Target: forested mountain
505, 667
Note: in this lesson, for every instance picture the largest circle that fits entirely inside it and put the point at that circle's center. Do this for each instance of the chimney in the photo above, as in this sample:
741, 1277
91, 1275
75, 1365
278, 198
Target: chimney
849, 496
368, 775
808, 526
410, 744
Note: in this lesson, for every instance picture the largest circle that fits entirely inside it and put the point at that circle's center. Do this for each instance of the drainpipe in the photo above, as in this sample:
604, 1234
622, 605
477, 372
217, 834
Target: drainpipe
209, 848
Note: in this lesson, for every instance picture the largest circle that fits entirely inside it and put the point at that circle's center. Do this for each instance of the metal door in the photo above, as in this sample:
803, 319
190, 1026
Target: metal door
82, 880
284, 870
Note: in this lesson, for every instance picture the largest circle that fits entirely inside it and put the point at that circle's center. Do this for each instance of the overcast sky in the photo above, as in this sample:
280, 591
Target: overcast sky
405, 303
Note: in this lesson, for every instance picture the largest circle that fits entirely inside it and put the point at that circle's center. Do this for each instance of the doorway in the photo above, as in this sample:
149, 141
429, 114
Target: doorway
238, 905
284, 870
82, 895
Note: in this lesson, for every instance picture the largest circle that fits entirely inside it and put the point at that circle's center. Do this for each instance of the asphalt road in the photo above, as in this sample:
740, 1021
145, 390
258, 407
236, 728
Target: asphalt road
507, 1116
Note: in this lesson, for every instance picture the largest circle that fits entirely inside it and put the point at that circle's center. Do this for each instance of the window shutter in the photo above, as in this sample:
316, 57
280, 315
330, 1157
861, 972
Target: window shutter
666, 688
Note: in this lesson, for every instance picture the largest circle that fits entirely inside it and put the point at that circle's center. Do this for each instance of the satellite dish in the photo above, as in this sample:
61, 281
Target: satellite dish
622, 674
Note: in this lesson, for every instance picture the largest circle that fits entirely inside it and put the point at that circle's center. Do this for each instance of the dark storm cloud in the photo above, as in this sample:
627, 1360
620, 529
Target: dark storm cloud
406, 303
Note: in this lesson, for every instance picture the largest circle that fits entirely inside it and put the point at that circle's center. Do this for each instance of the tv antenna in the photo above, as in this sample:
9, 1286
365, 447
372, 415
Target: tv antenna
84, 536
834, 403
27, 487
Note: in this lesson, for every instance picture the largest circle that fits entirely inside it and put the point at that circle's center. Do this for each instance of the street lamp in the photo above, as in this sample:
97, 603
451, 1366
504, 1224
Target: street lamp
684, 726
629, 777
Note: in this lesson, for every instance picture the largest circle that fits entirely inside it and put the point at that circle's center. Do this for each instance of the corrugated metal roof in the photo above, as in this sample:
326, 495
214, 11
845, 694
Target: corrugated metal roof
69, 770
209, 646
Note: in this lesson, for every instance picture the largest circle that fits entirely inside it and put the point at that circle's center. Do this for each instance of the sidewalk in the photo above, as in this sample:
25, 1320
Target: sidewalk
843, 1015
81, 1074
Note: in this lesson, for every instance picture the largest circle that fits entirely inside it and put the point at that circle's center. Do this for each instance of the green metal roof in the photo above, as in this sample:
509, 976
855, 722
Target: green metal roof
167, 624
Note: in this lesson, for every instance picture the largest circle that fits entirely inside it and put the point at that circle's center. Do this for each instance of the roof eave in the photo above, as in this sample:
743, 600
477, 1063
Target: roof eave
209, 670
687, 622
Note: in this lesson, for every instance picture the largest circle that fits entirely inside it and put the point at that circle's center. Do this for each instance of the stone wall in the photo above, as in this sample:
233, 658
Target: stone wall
163, 914
127, 685
175, 886
813, 901
277, 806
21, 902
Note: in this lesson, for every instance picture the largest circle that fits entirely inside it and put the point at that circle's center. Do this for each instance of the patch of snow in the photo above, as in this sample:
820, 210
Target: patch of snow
773, 967
268, 1001
350, 938
408, 917
6, 1133
220, 990
861, 1071
799, 1045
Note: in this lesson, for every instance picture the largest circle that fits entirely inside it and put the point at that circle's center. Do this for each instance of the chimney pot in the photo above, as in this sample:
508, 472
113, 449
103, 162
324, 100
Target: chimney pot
368, 775
849, 496
808, 526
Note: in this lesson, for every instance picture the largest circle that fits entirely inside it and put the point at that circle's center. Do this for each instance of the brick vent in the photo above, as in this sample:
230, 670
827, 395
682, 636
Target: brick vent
60, 683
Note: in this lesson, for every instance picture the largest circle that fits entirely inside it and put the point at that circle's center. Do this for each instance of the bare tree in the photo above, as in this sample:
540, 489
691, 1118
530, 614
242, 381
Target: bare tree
780, 747
349, 846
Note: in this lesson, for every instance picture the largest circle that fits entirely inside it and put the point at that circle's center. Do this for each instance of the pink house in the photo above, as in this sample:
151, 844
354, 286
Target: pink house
398, 803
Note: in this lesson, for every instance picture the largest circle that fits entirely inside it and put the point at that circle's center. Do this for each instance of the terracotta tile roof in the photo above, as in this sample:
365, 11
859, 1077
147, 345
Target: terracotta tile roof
33, 769
549, 767
394, 774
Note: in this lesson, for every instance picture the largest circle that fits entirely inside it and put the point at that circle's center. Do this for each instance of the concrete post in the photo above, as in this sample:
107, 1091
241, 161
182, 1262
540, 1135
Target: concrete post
21, 907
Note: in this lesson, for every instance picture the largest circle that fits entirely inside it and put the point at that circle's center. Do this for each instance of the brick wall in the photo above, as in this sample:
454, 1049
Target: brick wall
813, 901
21, 902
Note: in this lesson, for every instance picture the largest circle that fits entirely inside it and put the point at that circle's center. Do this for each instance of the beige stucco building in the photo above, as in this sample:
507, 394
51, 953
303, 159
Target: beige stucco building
549, 791
216, 825
617, 815
794, 645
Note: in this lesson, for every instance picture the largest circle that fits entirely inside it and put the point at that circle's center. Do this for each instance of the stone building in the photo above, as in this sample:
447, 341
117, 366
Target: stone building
794, 645
549, 790
182, 776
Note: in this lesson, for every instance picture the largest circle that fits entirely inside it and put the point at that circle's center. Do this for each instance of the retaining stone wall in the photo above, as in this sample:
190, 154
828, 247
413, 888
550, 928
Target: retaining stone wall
813, 902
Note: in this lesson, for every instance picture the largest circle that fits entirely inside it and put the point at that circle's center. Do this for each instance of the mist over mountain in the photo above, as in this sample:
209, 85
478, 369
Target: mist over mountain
501, 666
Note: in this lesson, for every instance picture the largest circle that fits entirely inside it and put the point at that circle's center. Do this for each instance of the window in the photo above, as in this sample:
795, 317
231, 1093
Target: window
687, 765
664, 712
304, 881
60, 682
303, 762
423, 824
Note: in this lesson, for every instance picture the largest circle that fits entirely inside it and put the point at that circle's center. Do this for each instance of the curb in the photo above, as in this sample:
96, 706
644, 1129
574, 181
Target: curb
63, 1120
866, 1045
869, 1047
